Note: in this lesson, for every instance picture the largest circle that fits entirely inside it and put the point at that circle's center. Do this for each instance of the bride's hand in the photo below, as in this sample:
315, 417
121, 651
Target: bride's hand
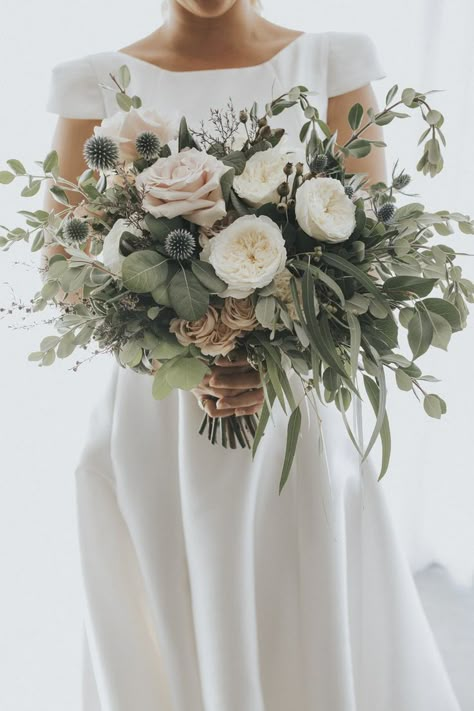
232, 388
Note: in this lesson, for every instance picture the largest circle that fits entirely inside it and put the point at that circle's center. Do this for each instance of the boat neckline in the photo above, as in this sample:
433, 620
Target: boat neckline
273, 58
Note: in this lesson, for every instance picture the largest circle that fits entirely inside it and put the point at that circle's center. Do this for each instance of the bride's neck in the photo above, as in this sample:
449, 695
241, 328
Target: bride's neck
211, 34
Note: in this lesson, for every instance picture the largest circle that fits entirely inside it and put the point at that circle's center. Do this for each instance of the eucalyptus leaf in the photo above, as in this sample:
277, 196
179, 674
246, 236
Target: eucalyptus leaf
144, 271
188, 296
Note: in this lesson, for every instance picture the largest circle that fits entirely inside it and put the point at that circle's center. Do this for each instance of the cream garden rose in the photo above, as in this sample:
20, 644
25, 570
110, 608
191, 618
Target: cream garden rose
209, 333
262, 175
125, 126
324, 211
247, 254
186, 184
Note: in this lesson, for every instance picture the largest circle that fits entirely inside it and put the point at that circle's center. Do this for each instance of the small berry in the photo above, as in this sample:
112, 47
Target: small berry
386, 212
101, 153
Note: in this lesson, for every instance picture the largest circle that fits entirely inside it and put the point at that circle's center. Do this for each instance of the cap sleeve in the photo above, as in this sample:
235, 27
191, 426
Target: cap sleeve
74, 91
353, 62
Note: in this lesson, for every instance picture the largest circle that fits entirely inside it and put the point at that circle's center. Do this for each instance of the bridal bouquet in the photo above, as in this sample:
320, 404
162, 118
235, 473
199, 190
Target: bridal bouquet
188, 244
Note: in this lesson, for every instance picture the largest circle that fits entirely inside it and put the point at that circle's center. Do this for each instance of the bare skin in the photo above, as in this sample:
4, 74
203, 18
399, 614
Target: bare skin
233, 35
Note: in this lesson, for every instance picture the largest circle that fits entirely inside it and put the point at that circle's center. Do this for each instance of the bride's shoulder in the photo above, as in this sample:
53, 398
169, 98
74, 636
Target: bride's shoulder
76, 85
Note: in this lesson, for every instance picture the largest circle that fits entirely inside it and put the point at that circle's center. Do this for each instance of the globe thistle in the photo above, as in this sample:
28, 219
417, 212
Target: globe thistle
74, 232
148, 145
386, 212
180, 244
349, 190
318, 163
101, 153
401, 181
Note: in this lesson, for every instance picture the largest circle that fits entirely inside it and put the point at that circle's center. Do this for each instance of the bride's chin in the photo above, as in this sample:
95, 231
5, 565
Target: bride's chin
207, 8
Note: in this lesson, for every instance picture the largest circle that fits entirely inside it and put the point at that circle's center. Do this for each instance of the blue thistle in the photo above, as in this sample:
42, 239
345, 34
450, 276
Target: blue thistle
386, 212
180, 244
74, 232
101, 153
349, 190
318, 163
148, 145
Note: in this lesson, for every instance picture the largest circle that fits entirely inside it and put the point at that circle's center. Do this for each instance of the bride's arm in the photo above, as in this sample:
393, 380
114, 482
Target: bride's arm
338, 109
68, 140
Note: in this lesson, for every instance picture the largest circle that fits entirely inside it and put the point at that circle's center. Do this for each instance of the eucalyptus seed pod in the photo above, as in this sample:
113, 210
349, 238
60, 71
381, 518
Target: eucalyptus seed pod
262, 122
299, 168
243, 116
282, 207
288, 169
265, 132
291, 202
283, 189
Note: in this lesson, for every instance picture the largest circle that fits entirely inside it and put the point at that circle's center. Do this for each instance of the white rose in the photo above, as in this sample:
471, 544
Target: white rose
111, 256
262, 174
186, 184
247, 254
125, 126
324, 211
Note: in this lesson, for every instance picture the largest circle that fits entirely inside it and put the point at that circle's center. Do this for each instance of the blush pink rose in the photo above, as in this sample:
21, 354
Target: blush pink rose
185, 184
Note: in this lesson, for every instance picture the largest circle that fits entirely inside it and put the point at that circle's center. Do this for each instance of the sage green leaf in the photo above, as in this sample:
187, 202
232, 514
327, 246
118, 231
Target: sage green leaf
446, 310
167, 347
186, 373
17, 167
185, 139
404, 286
130, 354
51, 162
161, 388
235, 160
265, 311
160, 227
391, 94
188, 297
359, 148
206, 274
335, 260
434, 406
50, 289
6, 177
355, 116
263, 418
49, 342
144, 271
124, 101
66, 345
32, 189
36, 355
49, 358
420, 333
408, 96
59, 194
404, 381
226, 182
325, 278
38, 241
355, 333
161, 295
377, 396
442, 331
405, 315
294, 426
124, 76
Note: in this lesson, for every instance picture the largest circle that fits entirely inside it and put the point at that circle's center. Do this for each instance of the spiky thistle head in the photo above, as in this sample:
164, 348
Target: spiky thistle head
74, 232
386, 212
349, 190
101, 153
318, 163
401, 181
148, 145
180, 244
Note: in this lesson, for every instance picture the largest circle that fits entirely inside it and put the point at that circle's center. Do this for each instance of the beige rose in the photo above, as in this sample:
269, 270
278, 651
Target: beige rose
125, 126
239, 314
209, 333
186, 184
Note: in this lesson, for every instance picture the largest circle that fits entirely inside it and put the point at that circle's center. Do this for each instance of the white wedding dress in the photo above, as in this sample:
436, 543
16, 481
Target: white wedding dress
205, 589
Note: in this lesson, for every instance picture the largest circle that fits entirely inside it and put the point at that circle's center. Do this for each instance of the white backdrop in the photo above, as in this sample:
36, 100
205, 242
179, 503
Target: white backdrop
422, 43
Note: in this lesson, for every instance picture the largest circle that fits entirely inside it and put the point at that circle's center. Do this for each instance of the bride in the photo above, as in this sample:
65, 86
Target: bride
205, 589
